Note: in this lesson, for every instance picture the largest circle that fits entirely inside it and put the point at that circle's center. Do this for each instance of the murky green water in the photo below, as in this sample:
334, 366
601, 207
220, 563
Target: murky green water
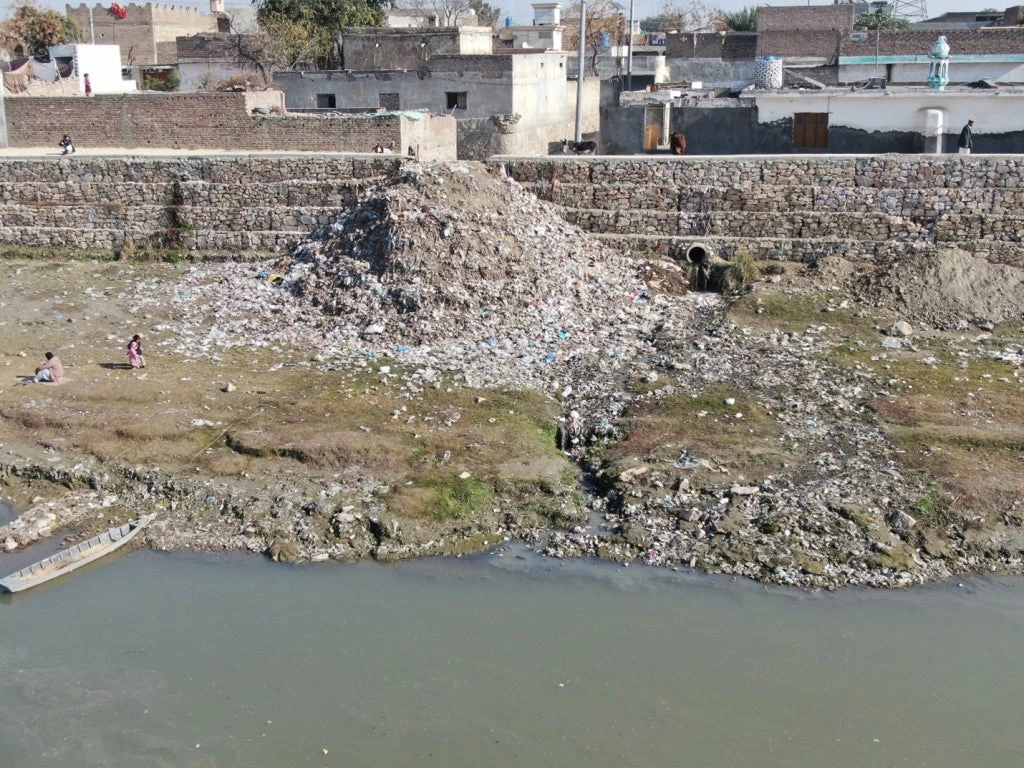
155, 660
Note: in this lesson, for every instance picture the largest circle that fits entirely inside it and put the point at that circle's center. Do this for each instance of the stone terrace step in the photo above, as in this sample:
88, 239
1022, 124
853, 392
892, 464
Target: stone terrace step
807, 250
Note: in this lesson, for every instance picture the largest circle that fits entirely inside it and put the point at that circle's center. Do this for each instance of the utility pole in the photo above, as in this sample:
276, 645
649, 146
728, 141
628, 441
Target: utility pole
3, 120
579, 70
629, 54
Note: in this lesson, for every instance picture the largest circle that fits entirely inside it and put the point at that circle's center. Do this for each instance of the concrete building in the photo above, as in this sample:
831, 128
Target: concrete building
820, 42
962, 20
831, 120
374, 48
146, 33
206, 60
102, 63
545, 33
518, 103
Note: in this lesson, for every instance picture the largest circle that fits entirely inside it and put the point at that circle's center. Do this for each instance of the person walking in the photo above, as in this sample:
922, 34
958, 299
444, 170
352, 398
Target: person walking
966, 143
88, 85
135, 358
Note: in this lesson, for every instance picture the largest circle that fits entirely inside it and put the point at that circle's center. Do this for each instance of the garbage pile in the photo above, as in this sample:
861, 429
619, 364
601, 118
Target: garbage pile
453, 251
450, 266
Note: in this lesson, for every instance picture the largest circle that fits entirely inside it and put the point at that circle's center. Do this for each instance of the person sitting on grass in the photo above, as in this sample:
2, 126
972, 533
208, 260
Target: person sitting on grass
52, 370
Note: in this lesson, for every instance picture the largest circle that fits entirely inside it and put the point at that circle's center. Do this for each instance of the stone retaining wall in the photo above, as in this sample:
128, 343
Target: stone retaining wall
794, 208
223, 205
797, 208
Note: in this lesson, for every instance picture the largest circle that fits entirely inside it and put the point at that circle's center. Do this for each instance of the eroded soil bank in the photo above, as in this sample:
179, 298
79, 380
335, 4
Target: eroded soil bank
450, 365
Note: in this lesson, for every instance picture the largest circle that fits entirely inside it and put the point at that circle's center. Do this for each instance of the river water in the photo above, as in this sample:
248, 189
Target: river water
191, 660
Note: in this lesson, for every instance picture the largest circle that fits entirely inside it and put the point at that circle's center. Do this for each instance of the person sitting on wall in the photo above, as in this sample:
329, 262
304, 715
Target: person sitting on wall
66, 145
677, 143
52, 370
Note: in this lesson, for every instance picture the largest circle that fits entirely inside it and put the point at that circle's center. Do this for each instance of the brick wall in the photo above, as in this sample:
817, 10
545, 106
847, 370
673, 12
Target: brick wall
792, 208
205, 120
802, 44
711, 45
382, 48
805, 17
142, 29
919, 42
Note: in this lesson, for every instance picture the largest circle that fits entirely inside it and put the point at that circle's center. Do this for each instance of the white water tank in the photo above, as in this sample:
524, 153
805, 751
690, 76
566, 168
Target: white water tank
768, 72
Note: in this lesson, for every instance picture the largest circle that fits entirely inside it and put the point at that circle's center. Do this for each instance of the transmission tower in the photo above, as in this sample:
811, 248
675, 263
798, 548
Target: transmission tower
912, 10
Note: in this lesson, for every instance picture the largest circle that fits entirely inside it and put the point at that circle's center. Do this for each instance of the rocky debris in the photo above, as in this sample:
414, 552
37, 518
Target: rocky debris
948, 289
901, 329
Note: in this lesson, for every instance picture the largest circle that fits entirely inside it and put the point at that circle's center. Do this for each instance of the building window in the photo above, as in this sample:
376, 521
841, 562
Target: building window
456, 99
326, 101
810, 130
388, 101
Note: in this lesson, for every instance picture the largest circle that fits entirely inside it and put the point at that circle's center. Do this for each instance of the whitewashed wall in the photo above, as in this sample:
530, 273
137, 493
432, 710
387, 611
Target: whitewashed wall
999, 111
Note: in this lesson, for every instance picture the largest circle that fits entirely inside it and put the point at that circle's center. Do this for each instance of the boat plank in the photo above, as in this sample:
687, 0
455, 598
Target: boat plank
75, 557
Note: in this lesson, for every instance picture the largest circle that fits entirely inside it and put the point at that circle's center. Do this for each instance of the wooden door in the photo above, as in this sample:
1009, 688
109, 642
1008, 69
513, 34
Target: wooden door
651, 135
810, 130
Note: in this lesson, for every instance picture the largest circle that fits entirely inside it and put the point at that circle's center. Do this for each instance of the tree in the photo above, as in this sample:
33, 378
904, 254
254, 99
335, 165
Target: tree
451, 13
31, 31
881, 20
320, 21
743, 20
486, 15
687, 16
603, 18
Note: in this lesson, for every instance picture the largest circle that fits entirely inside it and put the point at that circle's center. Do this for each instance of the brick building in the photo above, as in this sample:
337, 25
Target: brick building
147, 32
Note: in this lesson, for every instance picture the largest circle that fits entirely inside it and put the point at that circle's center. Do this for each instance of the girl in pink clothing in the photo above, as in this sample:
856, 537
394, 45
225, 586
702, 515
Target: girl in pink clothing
135, 358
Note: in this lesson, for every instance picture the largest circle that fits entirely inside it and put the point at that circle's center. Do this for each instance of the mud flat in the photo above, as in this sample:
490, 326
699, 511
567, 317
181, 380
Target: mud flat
449, 365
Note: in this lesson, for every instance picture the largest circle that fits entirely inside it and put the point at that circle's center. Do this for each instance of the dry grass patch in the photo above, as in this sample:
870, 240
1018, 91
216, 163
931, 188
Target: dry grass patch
797, 312
962, 422
742, 437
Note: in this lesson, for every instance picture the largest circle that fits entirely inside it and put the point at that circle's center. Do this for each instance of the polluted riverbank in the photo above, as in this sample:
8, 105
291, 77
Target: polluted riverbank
448, 364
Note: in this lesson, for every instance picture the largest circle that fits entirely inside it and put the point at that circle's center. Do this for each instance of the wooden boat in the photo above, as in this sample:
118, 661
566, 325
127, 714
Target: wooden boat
75, 557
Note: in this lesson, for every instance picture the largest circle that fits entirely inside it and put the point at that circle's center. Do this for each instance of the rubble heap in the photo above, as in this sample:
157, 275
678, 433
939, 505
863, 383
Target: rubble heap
450, 251
450, 267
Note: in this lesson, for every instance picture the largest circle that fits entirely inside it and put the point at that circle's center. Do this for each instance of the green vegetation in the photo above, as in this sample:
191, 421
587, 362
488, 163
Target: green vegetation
310, 27
881, 20
455, 498
164, 81
740, 274
30, 31
743, 20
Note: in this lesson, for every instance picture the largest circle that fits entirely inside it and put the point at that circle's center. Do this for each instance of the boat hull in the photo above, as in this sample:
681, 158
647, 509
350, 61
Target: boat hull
73, 558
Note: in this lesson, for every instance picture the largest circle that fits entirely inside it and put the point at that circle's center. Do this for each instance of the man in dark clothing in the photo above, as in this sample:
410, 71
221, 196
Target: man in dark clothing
966, 143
